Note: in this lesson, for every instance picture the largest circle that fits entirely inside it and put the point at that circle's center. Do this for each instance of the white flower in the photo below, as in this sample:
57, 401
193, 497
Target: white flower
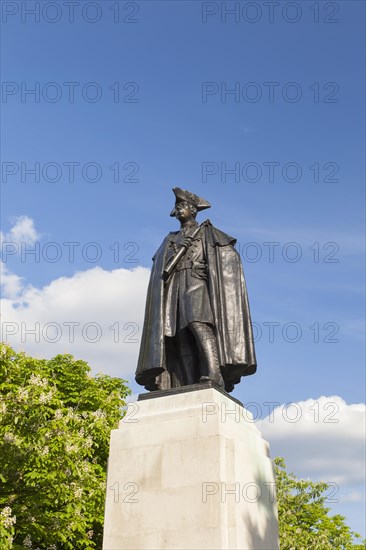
98, 414
71, 448
72, 415
88, 442
35, 380
45, 451
90, 534
85, 467
9, 437
27, 542
78, 492
6, 518
3, 349
43, 398
58, 414
23, 394
46, 397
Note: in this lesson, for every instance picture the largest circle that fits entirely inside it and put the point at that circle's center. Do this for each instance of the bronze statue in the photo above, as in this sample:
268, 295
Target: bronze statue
197, 322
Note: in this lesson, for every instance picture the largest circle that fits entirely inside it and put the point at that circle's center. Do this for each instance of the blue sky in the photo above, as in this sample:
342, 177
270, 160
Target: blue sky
173, 125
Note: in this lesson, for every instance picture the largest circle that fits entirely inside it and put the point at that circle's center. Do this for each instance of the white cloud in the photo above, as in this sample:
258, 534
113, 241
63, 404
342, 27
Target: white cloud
23, 231
11, 284
326, 442
107, 306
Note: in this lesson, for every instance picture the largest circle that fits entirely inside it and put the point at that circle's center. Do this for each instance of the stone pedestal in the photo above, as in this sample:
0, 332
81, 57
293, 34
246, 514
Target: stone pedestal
189, 470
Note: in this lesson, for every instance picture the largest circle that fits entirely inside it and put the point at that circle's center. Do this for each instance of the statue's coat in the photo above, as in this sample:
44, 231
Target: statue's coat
229, 303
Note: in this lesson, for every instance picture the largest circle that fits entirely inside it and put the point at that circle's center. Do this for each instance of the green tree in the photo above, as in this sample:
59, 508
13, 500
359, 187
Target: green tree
55, 423
304, 520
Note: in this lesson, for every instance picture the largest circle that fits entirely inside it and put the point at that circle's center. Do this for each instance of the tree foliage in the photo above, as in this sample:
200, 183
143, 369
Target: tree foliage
304, 520
55, 423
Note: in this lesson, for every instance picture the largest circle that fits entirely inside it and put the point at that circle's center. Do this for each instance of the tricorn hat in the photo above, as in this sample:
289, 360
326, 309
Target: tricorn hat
183, 195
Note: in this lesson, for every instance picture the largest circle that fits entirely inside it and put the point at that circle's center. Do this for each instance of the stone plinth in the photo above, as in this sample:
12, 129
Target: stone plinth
189, 470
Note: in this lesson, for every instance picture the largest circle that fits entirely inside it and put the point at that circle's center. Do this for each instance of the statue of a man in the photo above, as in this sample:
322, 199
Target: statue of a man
197, 322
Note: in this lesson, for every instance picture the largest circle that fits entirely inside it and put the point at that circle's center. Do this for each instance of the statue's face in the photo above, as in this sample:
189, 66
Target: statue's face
183, 211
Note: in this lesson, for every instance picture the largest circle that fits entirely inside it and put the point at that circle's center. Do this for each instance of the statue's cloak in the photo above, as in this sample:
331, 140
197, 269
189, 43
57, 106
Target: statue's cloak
230, 307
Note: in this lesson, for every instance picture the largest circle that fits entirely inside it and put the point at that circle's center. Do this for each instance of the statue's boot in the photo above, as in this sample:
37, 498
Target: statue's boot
207, 347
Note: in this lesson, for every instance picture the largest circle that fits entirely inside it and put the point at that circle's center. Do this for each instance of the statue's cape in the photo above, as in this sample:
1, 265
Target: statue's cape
229, 303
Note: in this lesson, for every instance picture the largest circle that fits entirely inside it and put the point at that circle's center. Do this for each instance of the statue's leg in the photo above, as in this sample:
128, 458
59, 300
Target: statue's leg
207, 347
186, 367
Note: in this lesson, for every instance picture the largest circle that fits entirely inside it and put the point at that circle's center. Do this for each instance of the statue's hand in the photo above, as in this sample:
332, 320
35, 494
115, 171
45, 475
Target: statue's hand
186, 242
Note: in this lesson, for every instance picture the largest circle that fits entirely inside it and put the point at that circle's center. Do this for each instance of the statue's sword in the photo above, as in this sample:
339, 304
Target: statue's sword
182, 250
